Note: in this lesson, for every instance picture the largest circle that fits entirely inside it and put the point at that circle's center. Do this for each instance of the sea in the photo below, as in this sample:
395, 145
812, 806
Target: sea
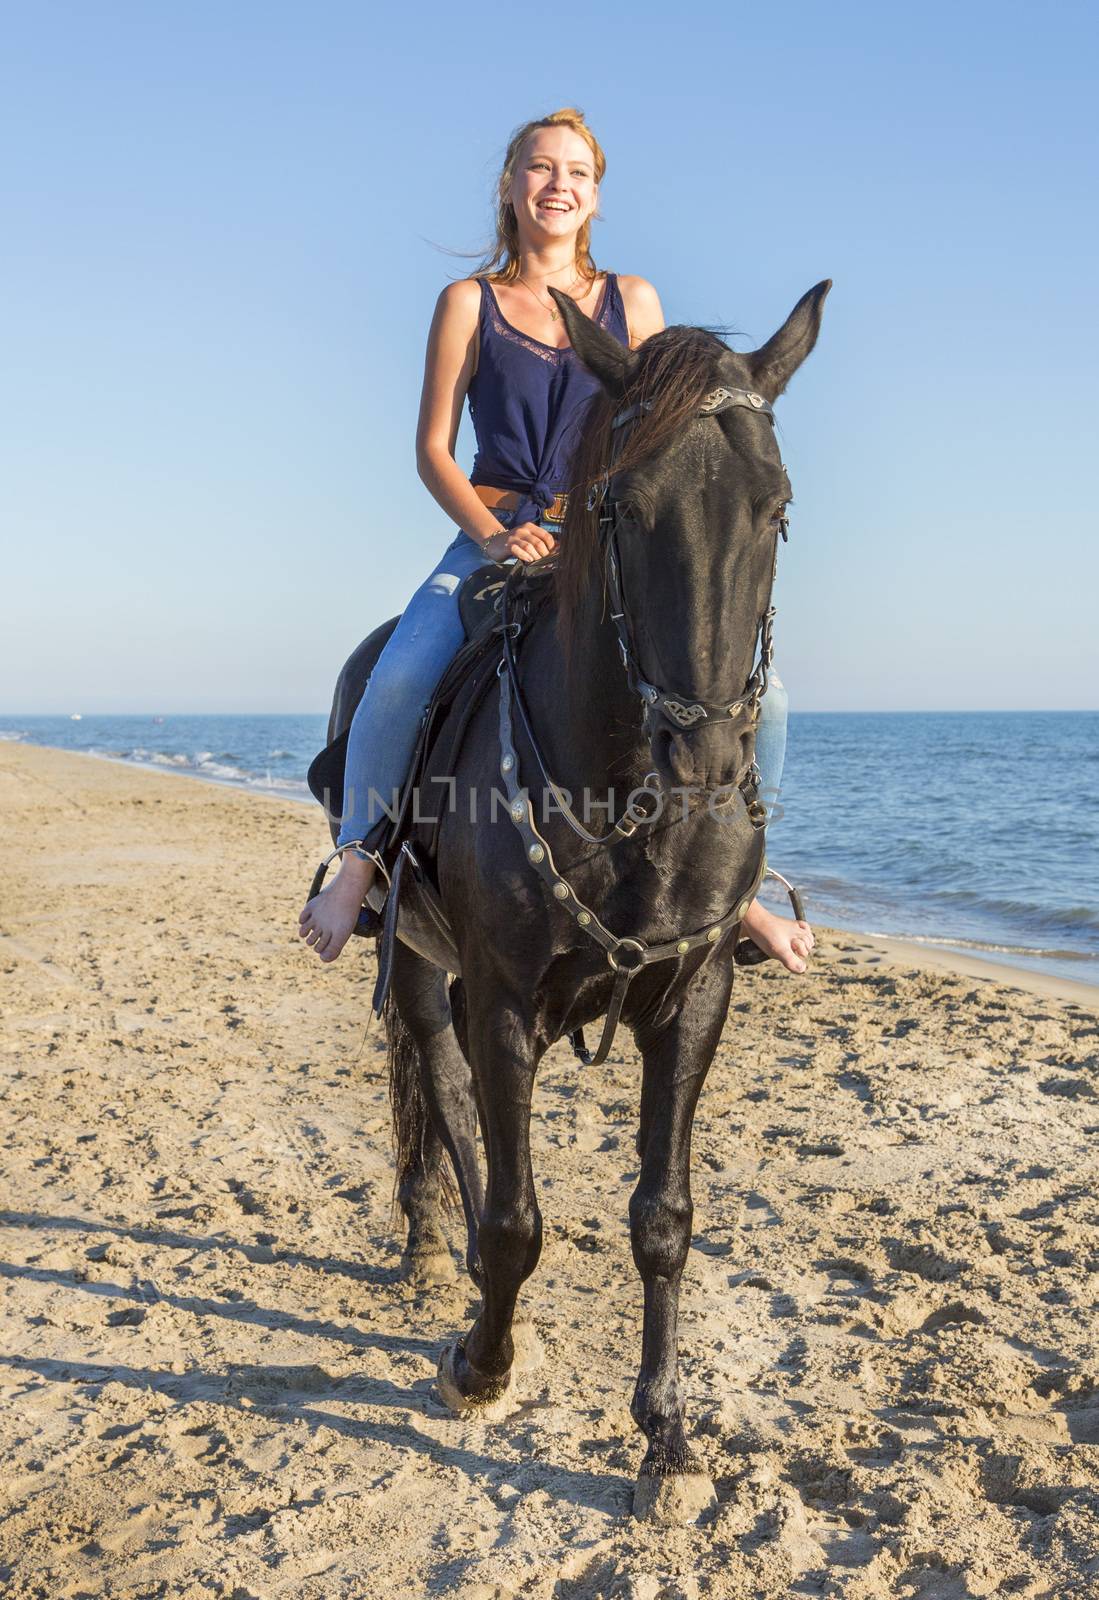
972, 831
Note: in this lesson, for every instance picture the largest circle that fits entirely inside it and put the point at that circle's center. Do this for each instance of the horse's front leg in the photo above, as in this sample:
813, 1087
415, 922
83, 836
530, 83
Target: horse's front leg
475, 1372
672, 1486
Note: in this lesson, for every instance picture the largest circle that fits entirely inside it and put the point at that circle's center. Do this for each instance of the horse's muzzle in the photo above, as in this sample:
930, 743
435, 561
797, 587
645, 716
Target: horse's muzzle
703, 758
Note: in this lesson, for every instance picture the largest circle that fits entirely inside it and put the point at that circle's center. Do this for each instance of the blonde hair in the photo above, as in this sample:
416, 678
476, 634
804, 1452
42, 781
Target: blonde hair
502, 261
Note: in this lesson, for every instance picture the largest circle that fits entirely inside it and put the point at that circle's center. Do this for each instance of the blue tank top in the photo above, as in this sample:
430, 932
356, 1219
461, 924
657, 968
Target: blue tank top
527, 401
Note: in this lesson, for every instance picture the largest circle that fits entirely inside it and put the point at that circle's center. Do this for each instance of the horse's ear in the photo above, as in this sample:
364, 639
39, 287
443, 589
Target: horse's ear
599, 350
774, 364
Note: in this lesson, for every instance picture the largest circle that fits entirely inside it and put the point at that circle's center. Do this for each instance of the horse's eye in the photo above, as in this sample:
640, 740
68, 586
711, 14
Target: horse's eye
632, 509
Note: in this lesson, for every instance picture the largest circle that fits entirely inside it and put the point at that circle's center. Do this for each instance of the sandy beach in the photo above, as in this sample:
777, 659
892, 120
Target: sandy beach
215, 1382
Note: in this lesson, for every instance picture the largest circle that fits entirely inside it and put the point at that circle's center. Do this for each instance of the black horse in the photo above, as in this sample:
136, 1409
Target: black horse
641, 680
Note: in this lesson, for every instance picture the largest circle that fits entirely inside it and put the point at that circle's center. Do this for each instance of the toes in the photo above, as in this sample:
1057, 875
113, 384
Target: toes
333, 944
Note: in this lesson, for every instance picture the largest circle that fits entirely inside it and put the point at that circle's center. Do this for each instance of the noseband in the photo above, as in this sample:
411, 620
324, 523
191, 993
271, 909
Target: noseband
683, 711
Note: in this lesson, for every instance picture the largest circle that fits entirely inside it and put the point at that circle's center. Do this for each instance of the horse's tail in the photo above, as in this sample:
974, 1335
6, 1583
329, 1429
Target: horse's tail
414, 1142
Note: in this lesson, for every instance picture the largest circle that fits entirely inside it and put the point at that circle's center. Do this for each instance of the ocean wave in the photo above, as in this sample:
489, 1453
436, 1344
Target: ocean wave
12, 735
1033, 952
222, 769
294, 786
1028, 912
203, 765
1046, 917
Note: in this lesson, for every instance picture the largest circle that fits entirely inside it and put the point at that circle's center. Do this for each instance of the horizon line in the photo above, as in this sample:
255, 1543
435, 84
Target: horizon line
815, 711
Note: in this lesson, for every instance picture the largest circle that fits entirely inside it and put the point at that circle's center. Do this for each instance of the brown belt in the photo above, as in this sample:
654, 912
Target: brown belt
508, 499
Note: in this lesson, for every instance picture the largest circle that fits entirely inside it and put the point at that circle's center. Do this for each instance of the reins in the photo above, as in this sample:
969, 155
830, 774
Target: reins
630, 819
625, 955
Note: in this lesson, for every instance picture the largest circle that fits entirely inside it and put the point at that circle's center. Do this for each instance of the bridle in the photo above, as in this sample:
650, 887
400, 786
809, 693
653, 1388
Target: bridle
627, 956
682, 711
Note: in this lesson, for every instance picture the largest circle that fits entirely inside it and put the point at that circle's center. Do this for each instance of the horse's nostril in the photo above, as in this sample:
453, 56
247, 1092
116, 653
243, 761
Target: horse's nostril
672, 756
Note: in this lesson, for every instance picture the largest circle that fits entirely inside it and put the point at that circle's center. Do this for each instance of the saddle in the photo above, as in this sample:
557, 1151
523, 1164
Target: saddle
410, 836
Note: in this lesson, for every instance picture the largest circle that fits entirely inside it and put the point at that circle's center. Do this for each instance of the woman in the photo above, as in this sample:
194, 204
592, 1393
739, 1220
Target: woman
498, 338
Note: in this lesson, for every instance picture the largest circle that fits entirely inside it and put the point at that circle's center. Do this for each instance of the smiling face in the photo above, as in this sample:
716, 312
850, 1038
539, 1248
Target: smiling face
553, 191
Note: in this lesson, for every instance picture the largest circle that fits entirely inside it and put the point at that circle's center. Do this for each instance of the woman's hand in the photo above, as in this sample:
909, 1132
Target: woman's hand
527, 542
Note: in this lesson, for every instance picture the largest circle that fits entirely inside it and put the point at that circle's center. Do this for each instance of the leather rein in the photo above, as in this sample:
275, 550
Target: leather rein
627, 956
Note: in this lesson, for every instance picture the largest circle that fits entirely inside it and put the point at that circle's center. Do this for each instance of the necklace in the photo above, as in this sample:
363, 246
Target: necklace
555, 315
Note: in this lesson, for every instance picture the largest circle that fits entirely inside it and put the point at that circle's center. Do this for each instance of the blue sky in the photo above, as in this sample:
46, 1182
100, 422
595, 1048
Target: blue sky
220, 261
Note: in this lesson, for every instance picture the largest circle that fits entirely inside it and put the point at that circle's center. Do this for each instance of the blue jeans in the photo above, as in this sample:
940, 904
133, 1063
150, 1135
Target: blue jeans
387, 718
417, 653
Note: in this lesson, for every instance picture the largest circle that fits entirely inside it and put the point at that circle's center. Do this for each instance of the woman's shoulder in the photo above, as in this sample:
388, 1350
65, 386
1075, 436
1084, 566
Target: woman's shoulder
459, 303
462, 292
636, 291
644, 313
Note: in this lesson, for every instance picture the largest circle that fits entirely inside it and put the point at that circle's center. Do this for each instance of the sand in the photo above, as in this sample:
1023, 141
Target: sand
214, 1381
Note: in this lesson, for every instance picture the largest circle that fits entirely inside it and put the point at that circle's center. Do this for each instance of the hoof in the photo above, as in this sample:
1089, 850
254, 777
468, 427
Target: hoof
490, 1405
673, 1501
529, 1354
428, 1266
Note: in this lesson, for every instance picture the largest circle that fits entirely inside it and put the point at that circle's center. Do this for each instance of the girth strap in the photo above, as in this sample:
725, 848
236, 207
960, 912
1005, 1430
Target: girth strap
610, 1025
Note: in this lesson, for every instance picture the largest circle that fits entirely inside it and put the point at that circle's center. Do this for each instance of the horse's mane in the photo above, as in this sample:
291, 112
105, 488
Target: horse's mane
673, 370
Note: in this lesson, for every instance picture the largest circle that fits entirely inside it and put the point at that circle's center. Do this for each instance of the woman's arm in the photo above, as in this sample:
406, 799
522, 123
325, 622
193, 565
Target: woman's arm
644, 314
451, 357
451, 354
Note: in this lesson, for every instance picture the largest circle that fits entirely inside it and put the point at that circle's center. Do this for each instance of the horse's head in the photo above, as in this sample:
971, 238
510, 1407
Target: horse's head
681, 447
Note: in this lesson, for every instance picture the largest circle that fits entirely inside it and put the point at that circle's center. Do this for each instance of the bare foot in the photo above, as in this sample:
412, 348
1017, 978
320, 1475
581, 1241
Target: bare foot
789, 942
327, 920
